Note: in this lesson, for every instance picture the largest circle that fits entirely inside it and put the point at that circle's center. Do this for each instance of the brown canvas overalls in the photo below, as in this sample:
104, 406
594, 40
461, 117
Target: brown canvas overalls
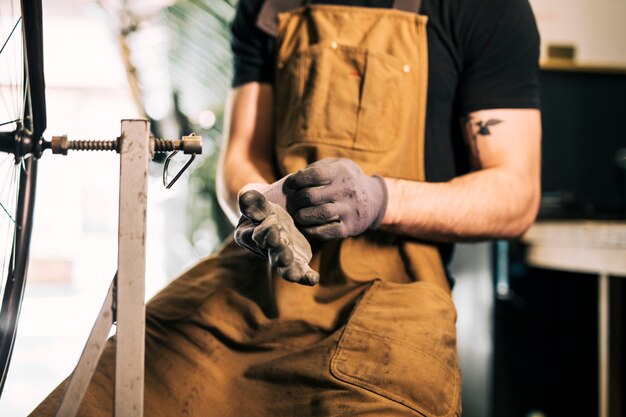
377, 336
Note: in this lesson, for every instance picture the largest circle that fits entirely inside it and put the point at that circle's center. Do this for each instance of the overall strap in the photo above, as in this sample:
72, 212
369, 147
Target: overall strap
412, 6
266, 20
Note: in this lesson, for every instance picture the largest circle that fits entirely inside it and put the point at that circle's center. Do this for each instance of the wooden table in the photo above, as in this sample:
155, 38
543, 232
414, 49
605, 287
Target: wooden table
595, 247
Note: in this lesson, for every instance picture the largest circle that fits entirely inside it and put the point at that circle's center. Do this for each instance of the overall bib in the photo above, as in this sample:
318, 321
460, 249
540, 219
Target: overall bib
377, 336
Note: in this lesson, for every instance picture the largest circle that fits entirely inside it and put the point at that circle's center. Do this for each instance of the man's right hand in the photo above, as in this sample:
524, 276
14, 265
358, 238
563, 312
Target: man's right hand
268, 230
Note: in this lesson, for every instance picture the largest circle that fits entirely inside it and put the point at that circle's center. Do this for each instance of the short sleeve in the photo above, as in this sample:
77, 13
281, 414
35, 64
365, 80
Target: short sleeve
500, 52
252, 48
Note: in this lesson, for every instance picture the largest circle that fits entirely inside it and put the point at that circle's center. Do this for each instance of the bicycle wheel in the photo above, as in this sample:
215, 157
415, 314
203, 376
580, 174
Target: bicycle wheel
22, 122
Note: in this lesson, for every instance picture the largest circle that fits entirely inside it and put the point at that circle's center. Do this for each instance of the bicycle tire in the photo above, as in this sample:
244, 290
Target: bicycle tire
16, 278
25, 139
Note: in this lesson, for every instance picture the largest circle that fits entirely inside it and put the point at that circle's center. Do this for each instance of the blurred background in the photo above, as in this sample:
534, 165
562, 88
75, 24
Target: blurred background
529, 310
106, 61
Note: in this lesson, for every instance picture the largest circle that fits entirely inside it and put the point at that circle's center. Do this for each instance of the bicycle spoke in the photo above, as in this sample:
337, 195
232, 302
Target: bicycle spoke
10, 34
10, 198
13, 84
12, 121
7, 213
5, 159
11, 64
26, 96
8, 246
26, 92
6, 106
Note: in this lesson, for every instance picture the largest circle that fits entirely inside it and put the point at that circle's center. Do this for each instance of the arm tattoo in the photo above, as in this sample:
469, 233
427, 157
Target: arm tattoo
483, 130
473, 129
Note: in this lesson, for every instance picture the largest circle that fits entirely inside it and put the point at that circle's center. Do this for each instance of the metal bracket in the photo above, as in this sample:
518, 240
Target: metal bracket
88, 361
167, 184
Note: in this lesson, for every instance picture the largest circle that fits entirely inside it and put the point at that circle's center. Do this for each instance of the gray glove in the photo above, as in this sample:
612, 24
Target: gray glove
244, 229
333, 198
275, 237
275, 194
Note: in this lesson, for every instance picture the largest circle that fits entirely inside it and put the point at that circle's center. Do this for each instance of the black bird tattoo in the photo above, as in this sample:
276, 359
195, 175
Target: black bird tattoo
474, 129
484, 129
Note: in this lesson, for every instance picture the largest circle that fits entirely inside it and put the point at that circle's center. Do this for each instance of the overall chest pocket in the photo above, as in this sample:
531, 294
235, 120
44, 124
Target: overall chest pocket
340, 95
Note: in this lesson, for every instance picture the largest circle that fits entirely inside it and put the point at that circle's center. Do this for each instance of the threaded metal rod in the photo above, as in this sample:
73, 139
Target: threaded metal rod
164, 145
93, 145
61, 145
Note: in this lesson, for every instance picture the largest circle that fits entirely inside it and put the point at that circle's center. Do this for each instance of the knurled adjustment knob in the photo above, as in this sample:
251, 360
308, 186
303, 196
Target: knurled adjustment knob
59, 145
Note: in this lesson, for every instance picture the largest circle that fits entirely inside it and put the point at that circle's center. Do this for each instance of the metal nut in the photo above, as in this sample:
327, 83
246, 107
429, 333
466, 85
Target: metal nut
192, 144
59, 145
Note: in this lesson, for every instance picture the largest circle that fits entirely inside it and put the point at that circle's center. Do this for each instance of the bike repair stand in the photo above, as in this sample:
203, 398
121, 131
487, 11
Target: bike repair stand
124, 304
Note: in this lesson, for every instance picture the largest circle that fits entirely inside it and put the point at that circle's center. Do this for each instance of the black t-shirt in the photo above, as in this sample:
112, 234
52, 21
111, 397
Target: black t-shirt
483, 54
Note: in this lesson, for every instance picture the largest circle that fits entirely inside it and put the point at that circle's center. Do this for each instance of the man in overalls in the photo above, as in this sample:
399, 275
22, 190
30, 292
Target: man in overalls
350, 133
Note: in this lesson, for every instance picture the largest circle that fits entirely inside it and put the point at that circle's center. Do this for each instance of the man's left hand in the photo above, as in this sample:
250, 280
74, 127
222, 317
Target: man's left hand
333, 198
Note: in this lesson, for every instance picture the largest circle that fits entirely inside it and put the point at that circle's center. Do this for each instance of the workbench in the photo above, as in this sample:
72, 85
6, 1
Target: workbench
594, 247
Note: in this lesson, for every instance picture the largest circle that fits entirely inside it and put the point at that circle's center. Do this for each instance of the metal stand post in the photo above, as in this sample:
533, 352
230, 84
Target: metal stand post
124, 303
129, 355
603, 344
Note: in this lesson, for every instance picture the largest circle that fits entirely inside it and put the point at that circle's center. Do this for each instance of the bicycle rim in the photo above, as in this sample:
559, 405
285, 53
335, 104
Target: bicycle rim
22, 122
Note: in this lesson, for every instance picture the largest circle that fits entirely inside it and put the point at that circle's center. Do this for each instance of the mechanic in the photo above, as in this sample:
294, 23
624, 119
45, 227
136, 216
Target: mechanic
364, 137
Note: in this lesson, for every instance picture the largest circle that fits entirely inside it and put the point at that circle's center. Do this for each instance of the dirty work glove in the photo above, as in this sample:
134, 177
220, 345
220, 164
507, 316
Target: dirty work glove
274, 192
243, 231
273, 232
333, 198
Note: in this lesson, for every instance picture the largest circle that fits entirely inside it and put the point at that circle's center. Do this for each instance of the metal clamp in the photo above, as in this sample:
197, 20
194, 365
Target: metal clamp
189, 145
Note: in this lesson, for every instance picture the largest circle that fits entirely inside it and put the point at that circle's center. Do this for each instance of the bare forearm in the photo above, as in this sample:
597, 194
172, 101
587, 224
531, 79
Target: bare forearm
490, 203
247, 156
236, 175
